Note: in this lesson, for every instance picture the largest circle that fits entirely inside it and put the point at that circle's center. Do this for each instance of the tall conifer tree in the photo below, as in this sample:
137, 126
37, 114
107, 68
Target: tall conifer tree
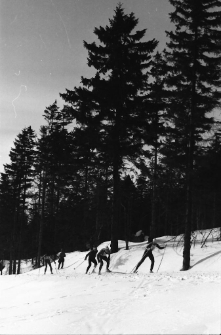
194, 54
110, 102
20, 174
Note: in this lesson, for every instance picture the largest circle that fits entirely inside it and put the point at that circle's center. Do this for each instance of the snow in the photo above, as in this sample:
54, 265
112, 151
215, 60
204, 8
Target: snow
169, 301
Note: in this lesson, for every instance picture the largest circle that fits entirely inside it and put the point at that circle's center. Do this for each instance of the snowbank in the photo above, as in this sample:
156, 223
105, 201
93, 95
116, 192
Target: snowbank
166, 302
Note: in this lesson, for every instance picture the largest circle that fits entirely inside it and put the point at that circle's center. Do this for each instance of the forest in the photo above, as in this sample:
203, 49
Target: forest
135, 147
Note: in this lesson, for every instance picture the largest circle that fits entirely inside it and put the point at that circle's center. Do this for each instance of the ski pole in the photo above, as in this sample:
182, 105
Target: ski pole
71, 264
79, 264
133, 269
162, 258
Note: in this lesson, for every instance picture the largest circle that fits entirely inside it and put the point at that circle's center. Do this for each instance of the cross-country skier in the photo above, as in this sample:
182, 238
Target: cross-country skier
1, 267
104, 255
91, 258
61, 257
148, 253
48, 260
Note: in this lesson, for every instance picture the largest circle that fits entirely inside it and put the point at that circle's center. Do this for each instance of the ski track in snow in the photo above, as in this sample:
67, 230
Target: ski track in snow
70, 302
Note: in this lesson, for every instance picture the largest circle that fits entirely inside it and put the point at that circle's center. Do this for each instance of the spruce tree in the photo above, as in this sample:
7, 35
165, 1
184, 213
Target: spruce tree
52, 168
20, 173
194, 57
6, 214
110, 102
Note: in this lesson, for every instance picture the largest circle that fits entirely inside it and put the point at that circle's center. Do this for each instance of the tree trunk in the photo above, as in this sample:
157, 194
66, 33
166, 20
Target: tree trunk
128, 223
116, 184
41, 220
115, 216
12, 245
189, 194
21, 230
153, 227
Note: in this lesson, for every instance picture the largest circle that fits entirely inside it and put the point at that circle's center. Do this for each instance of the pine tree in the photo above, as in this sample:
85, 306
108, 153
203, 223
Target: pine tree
6, 214
194, 56
52, 168
110, 102
20, 174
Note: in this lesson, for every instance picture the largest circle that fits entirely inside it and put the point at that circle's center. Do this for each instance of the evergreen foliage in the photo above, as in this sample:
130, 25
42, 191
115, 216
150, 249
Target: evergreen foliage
111, 102
194, 58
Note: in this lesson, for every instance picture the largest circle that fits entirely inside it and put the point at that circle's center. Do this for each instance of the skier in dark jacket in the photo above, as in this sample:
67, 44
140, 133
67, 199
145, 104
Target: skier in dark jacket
91, 258
104, 255
61, 257
148, 253
1, 267
48, 259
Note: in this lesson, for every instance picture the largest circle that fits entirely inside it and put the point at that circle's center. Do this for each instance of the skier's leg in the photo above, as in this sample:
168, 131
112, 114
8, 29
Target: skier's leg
107, 260
101, 264
151, 257
59, 263
46, 264
89, 265
140, 262
50, 266
95, 264
62, 264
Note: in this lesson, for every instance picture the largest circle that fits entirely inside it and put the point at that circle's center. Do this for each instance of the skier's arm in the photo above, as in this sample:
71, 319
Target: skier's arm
159, 247
87, 256
147, 249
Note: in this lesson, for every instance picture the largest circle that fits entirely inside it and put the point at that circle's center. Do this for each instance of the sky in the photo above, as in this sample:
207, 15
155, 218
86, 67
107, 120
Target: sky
168, 301
42, 53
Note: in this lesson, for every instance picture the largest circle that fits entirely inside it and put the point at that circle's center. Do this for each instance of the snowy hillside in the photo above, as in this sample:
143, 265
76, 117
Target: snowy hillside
168, 301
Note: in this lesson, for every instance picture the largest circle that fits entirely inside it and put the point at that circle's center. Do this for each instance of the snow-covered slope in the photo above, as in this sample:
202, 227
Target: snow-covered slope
168, 301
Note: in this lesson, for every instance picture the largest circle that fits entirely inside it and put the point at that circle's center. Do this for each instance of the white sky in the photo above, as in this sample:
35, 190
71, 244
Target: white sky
42, 53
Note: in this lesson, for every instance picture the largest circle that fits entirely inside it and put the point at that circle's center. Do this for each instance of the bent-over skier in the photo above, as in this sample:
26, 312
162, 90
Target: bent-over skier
148, 253
48, 259
104, 255
91, 258
61, 257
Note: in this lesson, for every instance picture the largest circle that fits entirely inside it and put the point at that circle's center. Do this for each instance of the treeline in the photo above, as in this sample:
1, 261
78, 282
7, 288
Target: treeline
143, 151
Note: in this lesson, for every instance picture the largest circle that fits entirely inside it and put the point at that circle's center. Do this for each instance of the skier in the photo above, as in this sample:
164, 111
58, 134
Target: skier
91, 258
104, 254
61, 257
48, 260
148, 253
1, 267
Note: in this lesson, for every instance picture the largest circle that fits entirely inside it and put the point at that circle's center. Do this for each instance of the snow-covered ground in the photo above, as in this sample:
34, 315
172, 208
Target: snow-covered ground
166, 302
